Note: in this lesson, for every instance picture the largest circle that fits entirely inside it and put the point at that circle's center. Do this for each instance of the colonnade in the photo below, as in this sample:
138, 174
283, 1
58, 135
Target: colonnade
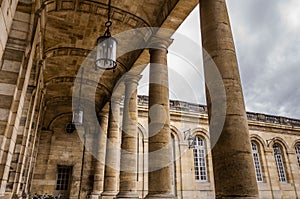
232, 159
116, 165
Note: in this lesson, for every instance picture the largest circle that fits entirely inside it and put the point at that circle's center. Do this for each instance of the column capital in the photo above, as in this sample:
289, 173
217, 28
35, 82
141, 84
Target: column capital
130, 78
115, 99
159, 42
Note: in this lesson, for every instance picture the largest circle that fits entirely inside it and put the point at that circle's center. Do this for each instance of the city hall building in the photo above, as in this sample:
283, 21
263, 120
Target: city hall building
72, 124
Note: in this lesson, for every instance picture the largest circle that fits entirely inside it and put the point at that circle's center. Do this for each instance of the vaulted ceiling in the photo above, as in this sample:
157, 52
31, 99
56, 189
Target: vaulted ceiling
71, 28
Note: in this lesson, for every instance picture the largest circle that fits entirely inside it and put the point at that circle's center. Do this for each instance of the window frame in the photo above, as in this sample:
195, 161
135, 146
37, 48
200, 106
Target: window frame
200, 160
280, 163
63, 177
297, 151
257, 161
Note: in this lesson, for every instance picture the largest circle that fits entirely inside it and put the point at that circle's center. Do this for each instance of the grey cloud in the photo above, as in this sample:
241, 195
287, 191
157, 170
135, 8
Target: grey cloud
267, 43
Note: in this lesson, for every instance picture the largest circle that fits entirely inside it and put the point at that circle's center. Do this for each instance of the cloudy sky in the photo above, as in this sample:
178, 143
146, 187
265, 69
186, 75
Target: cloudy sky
267, 40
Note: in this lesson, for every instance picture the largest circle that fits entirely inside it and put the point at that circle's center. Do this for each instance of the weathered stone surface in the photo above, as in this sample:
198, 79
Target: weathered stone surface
128, 169
159, 124
42, 48
232, 157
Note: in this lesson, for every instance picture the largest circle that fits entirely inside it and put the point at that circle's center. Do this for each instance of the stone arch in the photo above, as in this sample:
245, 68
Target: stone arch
202, 133
295, 143
259, 140
65, 114
281, 142
177, 134
142, 130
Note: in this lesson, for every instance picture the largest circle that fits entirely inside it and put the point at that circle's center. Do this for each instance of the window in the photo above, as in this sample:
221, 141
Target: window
63, 177
257, 164
174, 191
140, 157
200, 159
279, 163
297, 148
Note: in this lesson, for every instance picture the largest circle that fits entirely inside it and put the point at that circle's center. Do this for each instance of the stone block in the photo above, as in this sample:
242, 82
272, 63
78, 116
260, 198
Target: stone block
11, 66
5, 101
21, 16
18, 34
7, 14
1, 54
7, 89
20, 26
3, 32
4, 113
8, 77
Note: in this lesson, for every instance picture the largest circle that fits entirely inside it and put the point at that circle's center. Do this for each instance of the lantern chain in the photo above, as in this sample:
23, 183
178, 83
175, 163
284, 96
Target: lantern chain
109, 22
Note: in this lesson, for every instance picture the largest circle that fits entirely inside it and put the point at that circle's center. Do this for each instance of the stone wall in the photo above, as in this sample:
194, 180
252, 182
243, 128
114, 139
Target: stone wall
57, 147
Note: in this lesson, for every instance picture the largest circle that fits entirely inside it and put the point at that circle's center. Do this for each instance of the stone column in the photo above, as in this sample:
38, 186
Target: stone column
160, 146
128, 167
99, 156
232, 158
112, 158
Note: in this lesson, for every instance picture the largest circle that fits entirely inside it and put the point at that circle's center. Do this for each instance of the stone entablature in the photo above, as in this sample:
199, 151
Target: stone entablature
198, 108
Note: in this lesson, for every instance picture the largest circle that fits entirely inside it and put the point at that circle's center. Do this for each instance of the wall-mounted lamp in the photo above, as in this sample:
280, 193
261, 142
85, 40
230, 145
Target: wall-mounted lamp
190, 139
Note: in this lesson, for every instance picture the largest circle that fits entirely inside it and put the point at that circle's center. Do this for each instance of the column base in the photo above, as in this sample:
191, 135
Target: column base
108, 195
129, 194
160, 196
95, 195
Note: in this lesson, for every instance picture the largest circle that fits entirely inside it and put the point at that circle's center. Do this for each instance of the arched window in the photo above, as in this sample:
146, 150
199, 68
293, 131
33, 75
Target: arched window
257, 165
297, 148
279, 163
200, 159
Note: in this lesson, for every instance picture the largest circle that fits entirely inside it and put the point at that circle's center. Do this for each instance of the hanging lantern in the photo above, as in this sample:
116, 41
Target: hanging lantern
106, 58
77, 117
106, 53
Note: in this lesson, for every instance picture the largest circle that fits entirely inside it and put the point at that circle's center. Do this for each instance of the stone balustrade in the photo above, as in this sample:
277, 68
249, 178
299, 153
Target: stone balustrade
198, 108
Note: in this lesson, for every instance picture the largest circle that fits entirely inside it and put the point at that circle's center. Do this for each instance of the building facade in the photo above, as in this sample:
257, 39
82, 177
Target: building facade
63, 166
